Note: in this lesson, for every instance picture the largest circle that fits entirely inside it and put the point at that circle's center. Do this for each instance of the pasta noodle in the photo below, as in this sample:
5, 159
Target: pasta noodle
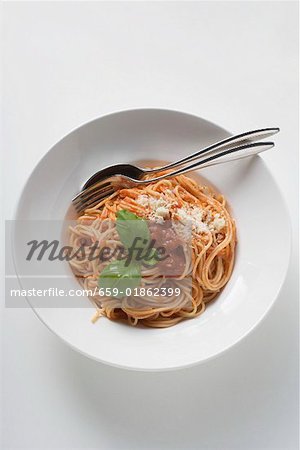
208, 258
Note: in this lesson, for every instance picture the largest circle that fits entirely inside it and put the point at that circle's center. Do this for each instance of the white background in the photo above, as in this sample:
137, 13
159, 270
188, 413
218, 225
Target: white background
67, 63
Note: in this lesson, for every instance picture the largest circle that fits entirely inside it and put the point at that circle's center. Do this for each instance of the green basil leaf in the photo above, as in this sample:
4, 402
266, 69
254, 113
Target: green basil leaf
132, 228
118, 275
123, 214
151, 258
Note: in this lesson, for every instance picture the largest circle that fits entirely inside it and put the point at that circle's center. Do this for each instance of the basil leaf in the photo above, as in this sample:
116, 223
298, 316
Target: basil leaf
132, 229
123, 214
118, 275
151, 258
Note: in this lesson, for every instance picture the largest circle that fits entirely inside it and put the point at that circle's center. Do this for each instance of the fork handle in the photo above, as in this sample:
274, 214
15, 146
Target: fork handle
220, 156
230, 142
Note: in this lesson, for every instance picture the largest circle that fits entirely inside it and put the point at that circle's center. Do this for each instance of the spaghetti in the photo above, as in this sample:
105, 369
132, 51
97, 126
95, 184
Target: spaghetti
207, 259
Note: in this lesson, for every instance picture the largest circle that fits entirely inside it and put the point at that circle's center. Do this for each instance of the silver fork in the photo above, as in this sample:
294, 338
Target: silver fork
106, 181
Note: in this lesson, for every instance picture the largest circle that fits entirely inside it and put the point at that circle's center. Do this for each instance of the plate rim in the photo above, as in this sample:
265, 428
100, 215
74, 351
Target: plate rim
182, 365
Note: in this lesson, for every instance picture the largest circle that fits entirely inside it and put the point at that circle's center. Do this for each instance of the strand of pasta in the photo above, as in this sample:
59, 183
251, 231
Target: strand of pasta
210, 266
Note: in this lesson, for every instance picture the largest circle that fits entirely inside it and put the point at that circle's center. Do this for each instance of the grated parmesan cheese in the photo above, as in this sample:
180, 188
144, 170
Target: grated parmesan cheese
218, 223
193, 215
143, 200
164, 212
159, 208
198, 219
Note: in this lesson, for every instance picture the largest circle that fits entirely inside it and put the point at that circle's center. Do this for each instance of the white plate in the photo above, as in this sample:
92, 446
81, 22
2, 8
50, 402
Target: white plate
262, 224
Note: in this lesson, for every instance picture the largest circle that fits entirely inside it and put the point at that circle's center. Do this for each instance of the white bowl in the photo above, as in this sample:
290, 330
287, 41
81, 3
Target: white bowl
262, 225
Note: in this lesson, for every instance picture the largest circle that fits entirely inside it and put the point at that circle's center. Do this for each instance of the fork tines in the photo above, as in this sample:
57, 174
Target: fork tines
93, 195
